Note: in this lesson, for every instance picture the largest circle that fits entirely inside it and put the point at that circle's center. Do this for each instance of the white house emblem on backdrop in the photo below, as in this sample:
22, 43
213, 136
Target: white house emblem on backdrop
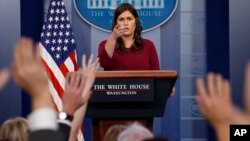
99, 13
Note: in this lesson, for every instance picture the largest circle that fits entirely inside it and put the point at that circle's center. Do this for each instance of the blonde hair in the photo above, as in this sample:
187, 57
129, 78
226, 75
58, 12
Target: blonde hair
113, 132
15, 129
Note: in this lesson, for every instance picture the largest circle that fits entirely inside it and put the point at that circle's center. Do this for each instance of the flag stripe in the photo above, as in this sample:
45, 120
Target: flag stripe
64, 69
74, 60
54, 81
55, 96
69, 63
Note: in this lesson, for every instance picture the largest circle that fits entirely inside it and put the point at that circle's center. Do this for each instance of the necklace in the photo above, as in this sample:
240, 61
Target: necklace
128, 44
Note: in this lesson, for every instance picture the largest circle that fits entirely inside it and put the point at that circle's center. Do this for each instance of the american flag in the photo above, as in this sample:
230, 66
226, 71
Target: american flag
58, 50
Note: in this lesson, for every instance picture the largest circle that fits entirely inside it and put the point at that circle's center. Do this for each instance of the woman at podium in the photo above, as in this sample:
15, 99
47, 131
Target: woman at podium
125, 49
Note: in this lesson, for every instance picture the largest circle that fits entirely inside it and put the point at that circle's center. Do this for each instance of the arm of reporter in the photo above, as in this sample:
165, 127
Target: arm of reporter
30, 75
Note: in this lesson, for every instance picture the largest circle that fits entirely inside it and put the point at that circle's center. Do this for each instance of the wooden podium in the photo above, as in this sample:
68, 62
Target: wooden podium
122, 96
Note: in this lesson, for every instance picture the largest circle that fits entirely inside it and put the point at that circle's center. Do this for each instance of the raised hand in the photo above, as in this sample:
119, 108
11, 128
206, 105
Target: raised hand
88, 77
214, 99
78, 85
72, 98
89, 71
30, 74
27, 67
117, 31
4, 77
